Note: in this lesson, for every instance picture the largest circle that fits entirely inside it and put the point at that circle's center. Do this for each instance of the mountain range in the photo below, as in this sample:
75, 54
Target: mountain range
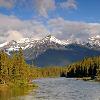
50, 51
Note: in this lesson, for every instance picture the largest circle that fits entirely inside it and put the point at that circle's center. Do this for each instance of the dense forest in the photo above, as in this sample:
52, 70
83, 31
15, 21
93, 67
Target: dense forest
50, 71
15, 70
88, 67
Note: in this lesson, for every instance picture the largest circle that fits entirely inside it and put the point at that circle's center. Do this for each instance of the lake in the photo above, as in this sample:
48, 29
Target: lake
63, 89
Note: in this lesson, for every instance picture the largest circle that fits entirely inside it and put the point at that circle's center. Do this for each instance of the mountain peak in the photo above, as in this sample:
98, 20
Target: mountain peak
51, 38
96, 37
94, 40
48, 37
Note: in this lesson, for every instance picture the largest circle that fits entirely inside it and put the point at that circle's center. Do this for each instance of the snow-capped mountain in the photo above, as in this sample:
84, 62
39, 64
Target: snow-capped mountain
34, 47
30, 42
53, 39
52, 51
40, 46
15, 45
46, 43
93, 42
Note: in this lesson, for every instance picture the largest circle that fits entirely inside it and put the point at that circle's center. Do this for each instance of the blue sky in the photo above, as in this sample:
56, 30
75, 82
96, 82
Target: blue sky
38, 18
87, 10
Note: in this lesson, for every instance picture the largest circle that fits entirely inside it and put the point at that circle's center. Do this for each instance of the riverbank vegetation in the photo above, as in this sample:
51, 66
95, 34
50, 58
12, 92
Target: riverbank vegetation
51, 71
88, 67
14, 72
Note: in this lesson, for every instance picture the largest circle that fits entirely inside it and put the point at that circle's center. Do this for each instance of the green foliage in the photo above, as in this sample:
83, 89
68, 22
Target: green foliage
52, 71
13, 69
88, 67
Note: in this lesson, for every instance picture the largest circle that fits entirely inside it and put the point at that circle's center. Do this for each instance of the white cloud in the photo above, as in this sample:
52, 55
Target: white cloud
66, 29
10, 27
6, 3
14, 28
69, 4
14, 35
43, 6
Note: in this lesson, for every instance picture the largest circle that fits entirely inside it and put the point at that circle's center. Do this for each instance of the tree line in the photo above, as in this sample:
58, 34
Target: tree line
88, 67
13, 69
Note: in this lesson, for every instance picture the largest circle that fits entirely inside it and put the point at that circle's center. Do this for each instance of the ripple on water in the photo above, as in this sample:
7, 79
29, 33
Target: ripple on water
64, 89
67, 89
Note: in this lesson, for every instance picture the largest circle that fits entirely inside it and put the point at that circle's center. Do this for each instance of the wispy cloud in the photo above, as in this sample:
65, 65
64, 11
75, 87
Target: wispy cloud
6, 3
69, 4
12, 26
14, 35
43, 6
66, 29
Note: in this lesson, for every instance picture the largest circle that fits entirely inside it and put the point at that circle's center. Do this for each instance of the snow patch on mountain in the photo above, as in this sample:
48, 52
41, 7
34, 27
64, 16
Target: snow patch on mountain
3, 44
25, 43
53, 39
47, 42
94, 40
